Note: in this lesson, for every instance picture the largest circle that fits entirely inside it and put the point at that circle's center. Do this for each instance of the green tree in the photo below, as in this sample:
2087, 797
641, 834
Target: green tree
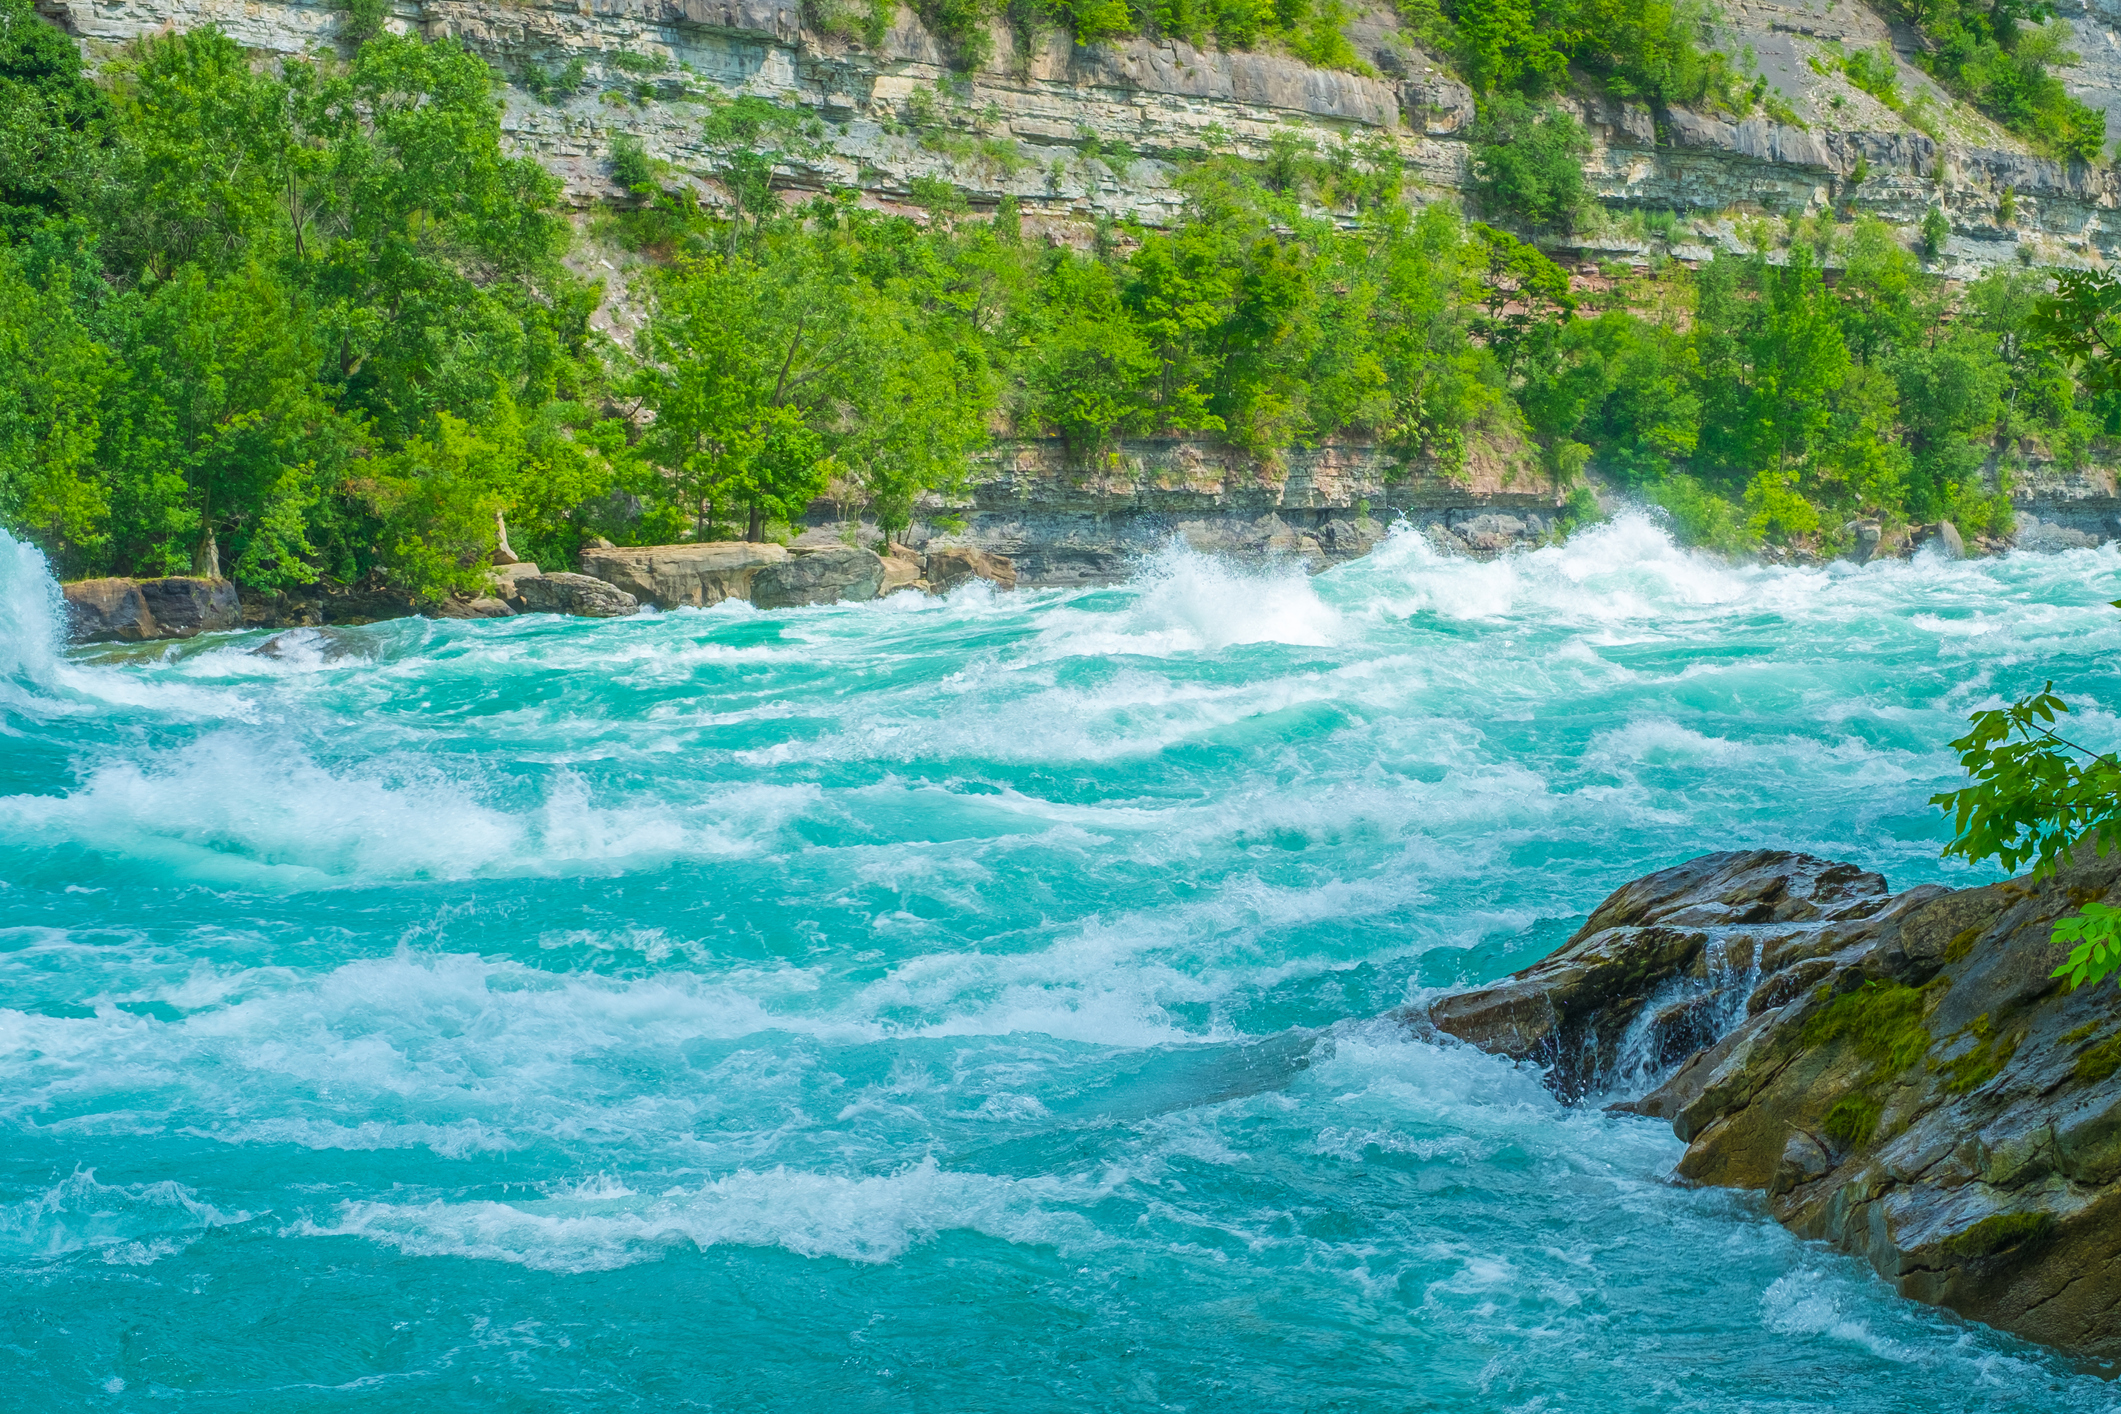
749, 366
54, 376
51, 123
1528, 161
223, 432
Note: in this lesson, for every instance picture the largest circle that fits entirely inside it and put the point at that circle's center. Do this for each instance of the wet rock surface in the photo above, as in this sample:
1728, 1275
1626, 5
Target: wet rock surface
828, 576
137, 610
1899, 1074
576, 594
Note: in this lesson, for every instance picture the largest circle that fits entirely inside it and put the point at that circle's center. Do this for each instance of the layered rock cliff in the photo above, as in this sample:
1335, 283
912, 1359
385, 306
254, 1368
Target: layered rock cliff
1897, 1074
1077, 134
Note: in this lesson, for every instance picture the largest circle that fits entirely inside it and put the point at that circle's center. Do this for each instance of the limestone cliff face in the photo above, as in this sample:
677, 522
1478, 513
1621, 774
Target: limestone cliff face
1077, 134
1028, 123
1066, 523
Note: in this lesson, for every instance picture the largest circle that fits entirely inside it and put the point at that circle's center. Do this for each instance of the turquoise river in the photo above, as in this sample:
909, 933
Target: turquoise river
969, 1004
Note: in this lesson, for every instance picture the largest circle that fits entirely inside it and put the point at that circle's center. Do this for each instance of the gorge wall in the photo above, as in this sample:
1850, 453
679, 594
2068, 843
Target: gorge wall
1043, 125
1080, 134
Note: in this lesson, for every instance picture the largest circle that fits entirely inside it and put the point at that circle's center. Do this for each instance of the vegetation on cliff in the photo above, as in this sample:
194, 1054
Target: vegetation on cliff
2000, 55
307, 319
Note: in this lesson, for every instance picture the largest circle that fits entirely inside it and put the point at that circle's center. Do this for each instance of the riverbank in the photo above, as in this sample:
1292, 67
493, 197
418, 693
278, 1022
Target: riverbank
1041, 529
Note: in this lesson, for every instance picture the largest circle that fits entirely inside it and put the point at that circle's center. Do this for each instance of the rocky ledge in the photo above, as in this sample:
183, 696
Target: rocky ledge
615, 583
1898, 1074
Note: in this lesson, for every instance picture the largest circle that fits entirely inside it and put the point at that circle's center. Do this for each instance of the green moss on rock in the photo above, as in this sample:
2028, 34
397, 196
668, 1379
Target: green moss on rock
1853, 1120
1997, 1234
1981, 1064
2099, 1062
1883, 1020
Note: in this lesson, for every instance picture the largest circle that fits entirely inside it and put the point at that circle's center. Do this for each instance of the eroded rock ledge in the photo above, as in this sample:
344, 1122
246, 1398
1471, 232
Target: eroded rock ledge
1897, 1073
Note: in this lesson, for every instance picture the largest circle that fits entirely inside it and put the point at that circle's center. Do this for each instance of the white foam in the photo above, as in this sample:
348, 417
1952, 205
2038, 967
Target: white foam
1809, 1303
32, 614
1186, 602
604, 1225
126, 1224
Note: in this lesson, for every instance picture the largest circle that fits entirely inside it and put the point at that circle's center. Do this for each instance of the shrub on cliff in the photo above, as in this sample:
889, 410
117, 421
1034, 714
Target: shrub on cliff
2000, 56
1528, 162
1633, 48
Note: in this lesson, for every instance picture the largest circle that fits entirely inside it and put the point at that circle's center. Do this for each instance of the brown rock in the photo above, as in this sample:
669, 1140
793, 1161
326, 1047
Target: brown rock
484, 606
576, 594
137, 610
681, 576
947, 569
902, 570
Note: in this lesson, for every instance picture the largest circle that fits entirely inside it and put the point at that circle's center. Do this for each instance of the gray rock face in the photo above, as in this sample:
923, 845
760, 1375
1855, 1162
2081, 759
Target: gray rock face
137, 610
2050, 537
1671, 951
576, 594
680, 576
1905, 1079
1944, 538
842, 573
1060, 525
1166, 101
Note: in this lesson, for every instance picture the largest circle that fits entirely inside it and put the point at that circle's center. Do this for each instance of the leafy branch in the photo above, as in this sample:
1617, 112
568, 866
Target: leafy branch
2036, 797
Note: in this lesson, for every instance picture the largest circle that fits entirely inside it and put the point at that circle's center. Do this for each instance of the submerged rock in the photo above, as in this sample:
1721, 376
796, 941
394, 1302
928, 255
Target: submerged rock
1897, 1073
136, 610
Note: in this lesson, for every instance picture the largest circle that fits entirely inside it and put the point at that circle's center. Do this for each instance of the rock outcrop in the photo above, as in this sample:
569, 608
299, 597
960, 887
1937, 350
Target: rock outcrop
1899, 1074
829, 576
576, 594
136, 610
679, 576
1060, 524
947, 569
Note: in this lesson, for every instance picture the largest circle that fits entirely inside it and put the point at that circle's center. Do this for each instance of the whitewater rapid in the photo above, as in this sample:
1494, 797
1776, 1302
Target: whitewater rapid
963, 1003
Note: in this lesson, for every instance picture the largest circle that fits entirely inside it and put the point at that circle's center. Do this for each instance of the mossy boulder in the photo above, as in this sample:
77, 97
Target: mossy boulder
1904, 1079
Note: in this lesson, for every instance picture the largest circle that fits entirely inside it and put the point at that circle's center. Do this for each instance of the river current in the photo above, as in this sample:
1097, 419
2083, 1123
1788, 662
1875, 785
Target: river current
971, 1004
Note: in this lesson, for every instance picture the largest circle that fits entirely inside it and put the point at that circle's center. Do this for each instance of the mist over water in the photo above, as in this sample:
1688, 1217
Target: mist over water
962, 1004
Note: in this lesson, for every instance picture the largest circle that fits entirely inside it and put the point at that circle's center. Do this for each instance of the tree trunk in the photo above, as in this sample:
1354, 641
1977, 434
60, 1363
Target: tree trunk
755, 529
207, 561
502, 553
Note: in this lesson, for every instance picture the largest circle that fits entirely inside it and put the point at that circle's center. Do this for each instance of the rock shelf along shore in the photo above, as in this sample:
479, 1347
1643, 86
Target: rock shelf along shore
614, 582
1897, 1074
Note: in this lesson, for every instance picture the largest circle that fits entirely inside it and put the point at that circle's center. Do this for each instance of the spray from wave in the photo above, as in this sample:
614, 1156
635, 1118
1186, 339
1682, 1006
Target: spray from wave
32, 620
